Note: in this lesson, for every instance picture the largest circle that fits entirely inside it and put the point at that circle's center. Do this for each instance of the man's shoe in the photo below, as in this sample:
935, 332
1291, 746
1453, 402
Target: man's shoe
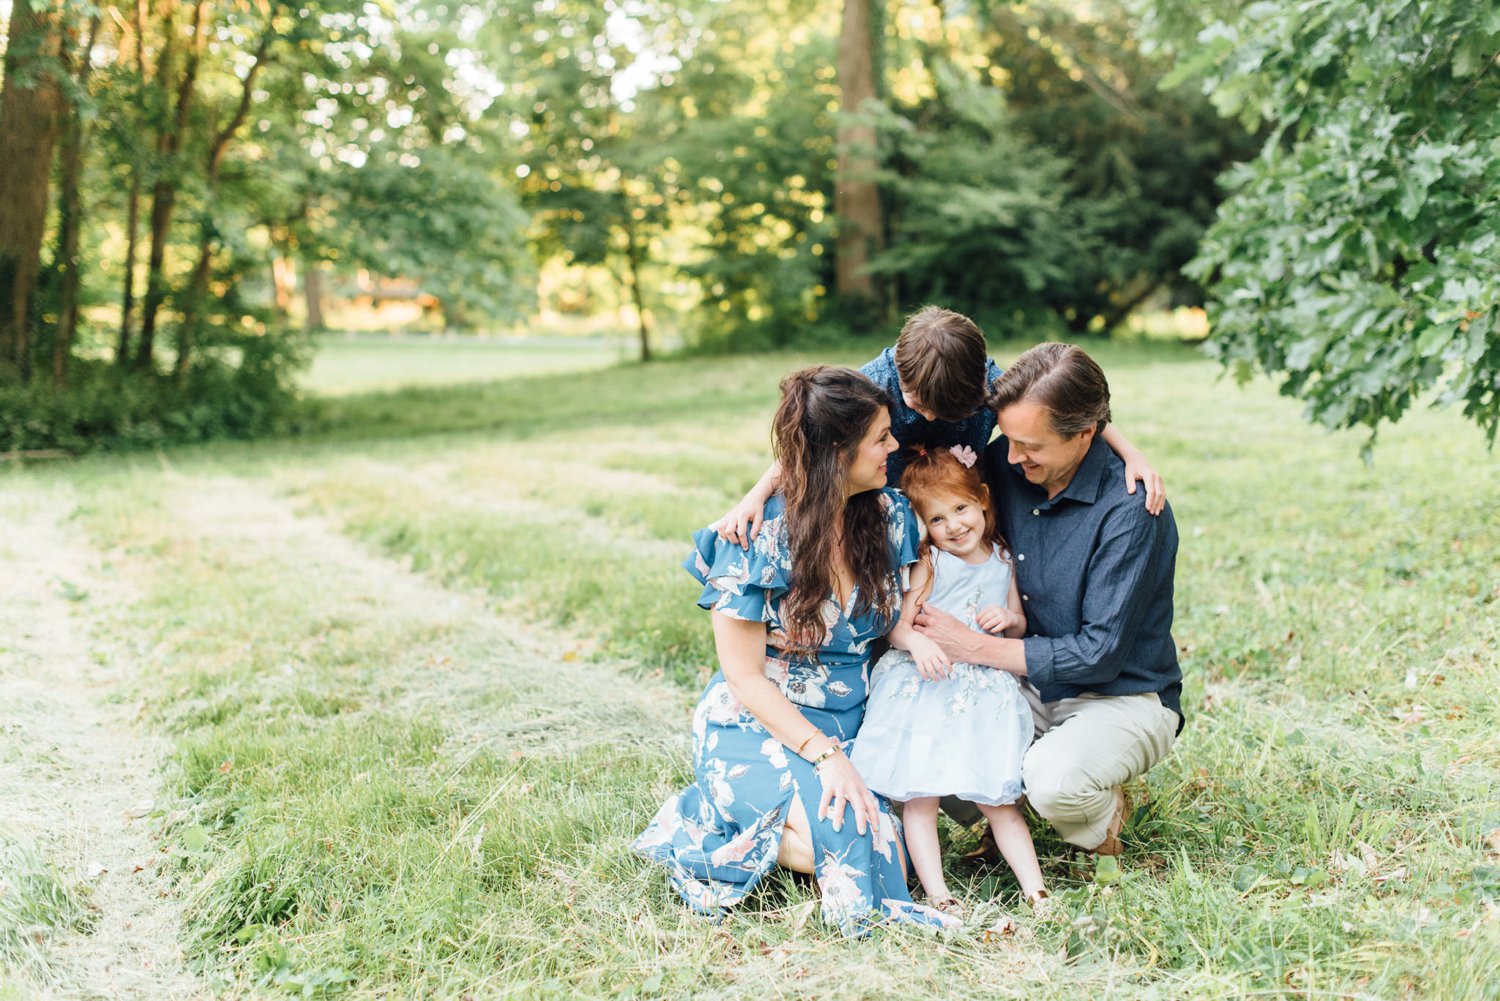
987, 852
1112, 845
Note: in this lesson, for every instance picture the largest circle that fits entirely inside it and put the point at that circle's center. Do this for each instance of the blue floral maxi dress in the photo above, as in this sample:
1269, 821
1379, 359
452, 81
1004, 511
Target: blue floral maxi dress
719, 837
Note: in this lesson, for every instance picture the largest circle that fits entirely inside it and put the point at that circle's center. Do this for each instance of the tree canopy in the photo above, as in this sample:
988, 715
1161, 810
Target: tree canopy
1357, 257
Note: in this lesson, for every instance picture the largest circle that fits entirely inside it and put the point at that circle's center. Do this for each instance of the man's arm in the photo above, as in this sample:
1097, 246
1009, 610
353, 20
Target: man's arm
1118, 590
961, 643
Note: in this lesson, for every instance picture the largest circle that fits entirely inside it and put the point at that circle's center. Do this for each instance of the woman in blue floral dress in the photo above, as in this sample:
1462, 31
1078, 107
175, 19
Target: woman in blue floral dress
793, 619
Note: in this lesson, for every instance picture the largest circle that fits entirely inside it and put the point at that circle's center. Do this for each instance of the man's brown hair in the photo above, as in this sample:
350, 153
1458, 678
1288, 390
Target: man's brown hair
1062, 378
940, 359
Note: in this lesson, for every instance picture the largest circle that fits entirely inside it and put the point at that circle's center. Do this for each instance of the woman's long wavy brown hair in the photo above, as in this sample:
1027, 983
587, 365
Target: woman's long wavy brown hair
825, 412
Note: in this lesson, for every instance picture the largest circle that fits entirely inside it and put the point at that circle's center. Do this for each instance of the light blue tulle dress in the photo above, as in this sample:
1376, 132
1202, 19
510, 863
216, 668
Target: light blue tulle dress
962, 736
719, 837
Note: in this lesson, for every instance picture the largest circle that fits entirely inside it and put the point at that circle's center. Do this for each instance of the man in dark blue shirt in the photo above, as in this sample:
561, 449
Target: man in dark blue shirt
1095, 572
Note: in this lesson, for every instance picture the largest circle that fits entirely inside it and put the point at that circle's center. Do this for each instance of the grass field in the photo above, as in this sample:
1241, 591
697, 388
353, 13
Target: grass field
366, 363
426, 674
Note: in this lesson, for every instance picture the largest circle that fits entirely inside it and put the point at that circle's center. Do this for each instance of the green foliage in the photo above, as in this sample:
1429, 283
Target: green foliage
765, 188
1141, 162
110, 409
978, 218
1356, 258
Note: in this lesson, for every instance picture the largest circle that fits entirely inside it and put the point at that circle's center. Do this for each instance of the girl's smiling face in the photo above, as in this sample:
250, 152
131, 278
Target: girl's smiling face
955, 523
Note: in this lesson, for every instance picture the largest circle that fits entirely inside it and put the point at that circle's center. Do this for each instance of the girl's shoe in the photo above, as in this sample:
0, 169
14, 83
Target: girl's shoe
949, 906
1041, 903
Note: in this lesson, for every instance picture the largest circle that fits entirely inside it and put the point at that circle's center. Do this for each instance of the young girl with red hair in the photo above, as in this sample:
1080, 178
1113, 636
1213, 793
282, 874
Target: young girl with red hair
934, 728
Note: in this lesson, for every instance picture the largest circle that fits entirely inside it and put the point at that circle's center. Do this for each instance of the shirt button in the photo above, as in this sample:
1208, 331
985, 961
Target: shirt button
1036, 510
1020, 556
1025, 597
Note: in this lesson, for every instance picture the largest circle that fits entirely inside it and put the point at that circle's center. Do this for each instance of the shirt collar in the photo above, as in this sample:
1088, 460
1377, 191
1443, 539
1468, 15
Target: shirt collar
1086, 482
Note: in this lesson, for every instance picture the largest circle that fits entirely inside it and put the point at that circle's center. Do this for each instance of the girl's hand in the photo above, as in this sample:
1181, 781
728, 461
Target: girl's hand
742, 524
1137, 468
844, 786
997, 618
932, 663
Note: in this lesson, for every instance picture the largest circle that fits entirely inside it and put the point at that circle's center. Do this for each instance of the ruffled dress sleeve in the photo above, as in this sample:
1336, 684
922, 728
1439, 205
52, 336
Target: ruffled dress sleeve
744, 584
902, 532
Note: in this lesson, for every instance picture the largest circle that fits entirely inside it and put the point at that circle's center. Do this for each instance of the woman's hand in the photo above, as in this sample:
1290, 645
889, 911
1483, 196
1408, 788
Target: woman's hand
932, 663
844, 786
997, 618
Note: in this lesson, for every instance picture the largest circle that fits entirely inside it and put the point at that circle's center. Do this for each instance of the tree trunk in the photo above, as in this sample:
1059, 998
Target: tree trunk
164, 194
312, 290
187, 331
30, 119
70, 220
633, 256
856, 198
127, 300
133, 209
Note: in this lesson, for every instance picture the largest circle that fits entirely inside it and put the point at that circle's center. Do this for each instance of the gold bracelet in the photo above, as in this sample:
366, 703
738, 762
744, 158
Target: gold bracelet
810, 736
828, 752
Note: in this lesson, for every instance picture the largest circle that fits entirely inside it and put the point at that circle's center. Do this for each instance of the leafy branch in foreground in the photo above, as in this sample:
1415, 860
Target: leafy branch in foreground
1358, 256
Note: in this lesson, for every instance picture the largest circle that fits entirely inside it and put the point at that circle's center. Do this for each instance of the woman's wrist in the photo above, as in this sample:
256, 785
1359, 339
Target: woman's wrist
833, 749
803, 746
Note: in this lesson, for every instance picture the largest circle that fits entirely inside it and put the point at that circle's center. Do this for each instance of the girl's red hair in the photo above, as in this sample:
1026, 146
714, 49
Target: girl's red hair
937, 471
931, 472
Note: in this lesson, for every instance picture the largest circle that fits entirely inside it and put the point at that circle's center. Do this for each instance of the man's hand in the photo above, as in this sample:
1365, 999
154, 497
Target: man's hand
932, 663
997, 618
950, 634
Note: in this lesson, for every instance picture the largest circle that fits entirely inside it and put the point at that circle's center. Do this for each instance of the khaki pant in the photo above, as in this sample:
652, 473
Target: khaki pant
1084, 747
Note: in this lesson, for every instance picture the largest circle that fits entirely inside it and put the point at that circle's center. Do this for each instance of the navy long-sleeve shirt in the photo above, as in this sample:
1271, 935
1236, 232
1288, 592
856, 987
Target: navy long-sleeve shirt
1095, 572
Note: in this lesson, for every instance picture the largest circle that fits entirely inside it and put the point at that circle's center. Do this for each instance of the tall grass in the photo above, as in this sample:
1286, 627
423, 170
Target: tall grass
387, 791
37, 902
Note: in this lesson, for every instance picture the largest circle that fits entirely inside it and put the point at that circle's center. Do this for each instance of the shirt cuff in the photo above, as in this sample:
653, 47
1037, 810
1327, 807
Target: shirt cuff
1040, 660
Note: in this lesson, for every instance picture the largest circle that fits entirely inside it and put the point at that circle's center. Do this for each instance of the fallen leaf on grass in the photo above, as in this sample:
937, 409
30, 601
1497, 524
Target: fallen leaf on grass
141, 809
800, 915
1002, 928
777, 954
1416, 713
225, 767
1492, 839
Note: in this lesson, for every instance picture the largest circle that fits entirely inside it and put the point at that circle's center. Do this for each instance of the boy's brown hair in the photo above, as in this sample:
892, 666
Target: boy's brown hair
940, 359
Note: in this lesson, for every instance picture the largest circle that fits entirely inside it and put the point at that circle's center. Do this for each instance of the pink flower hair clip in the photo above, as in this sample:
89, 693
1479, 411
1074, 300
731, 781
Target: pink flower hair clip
964, 454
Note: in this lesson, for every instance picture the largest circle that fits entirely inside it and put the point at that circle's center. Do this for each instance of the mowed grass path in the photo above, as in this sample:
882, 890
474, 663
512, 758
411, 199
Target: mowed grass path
428, 674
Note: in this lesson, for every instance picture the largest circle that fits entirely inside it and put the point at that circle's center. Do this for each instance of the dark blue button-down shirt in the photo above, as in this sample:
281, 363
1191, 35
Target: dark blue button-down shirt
1095, 572
910, 428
